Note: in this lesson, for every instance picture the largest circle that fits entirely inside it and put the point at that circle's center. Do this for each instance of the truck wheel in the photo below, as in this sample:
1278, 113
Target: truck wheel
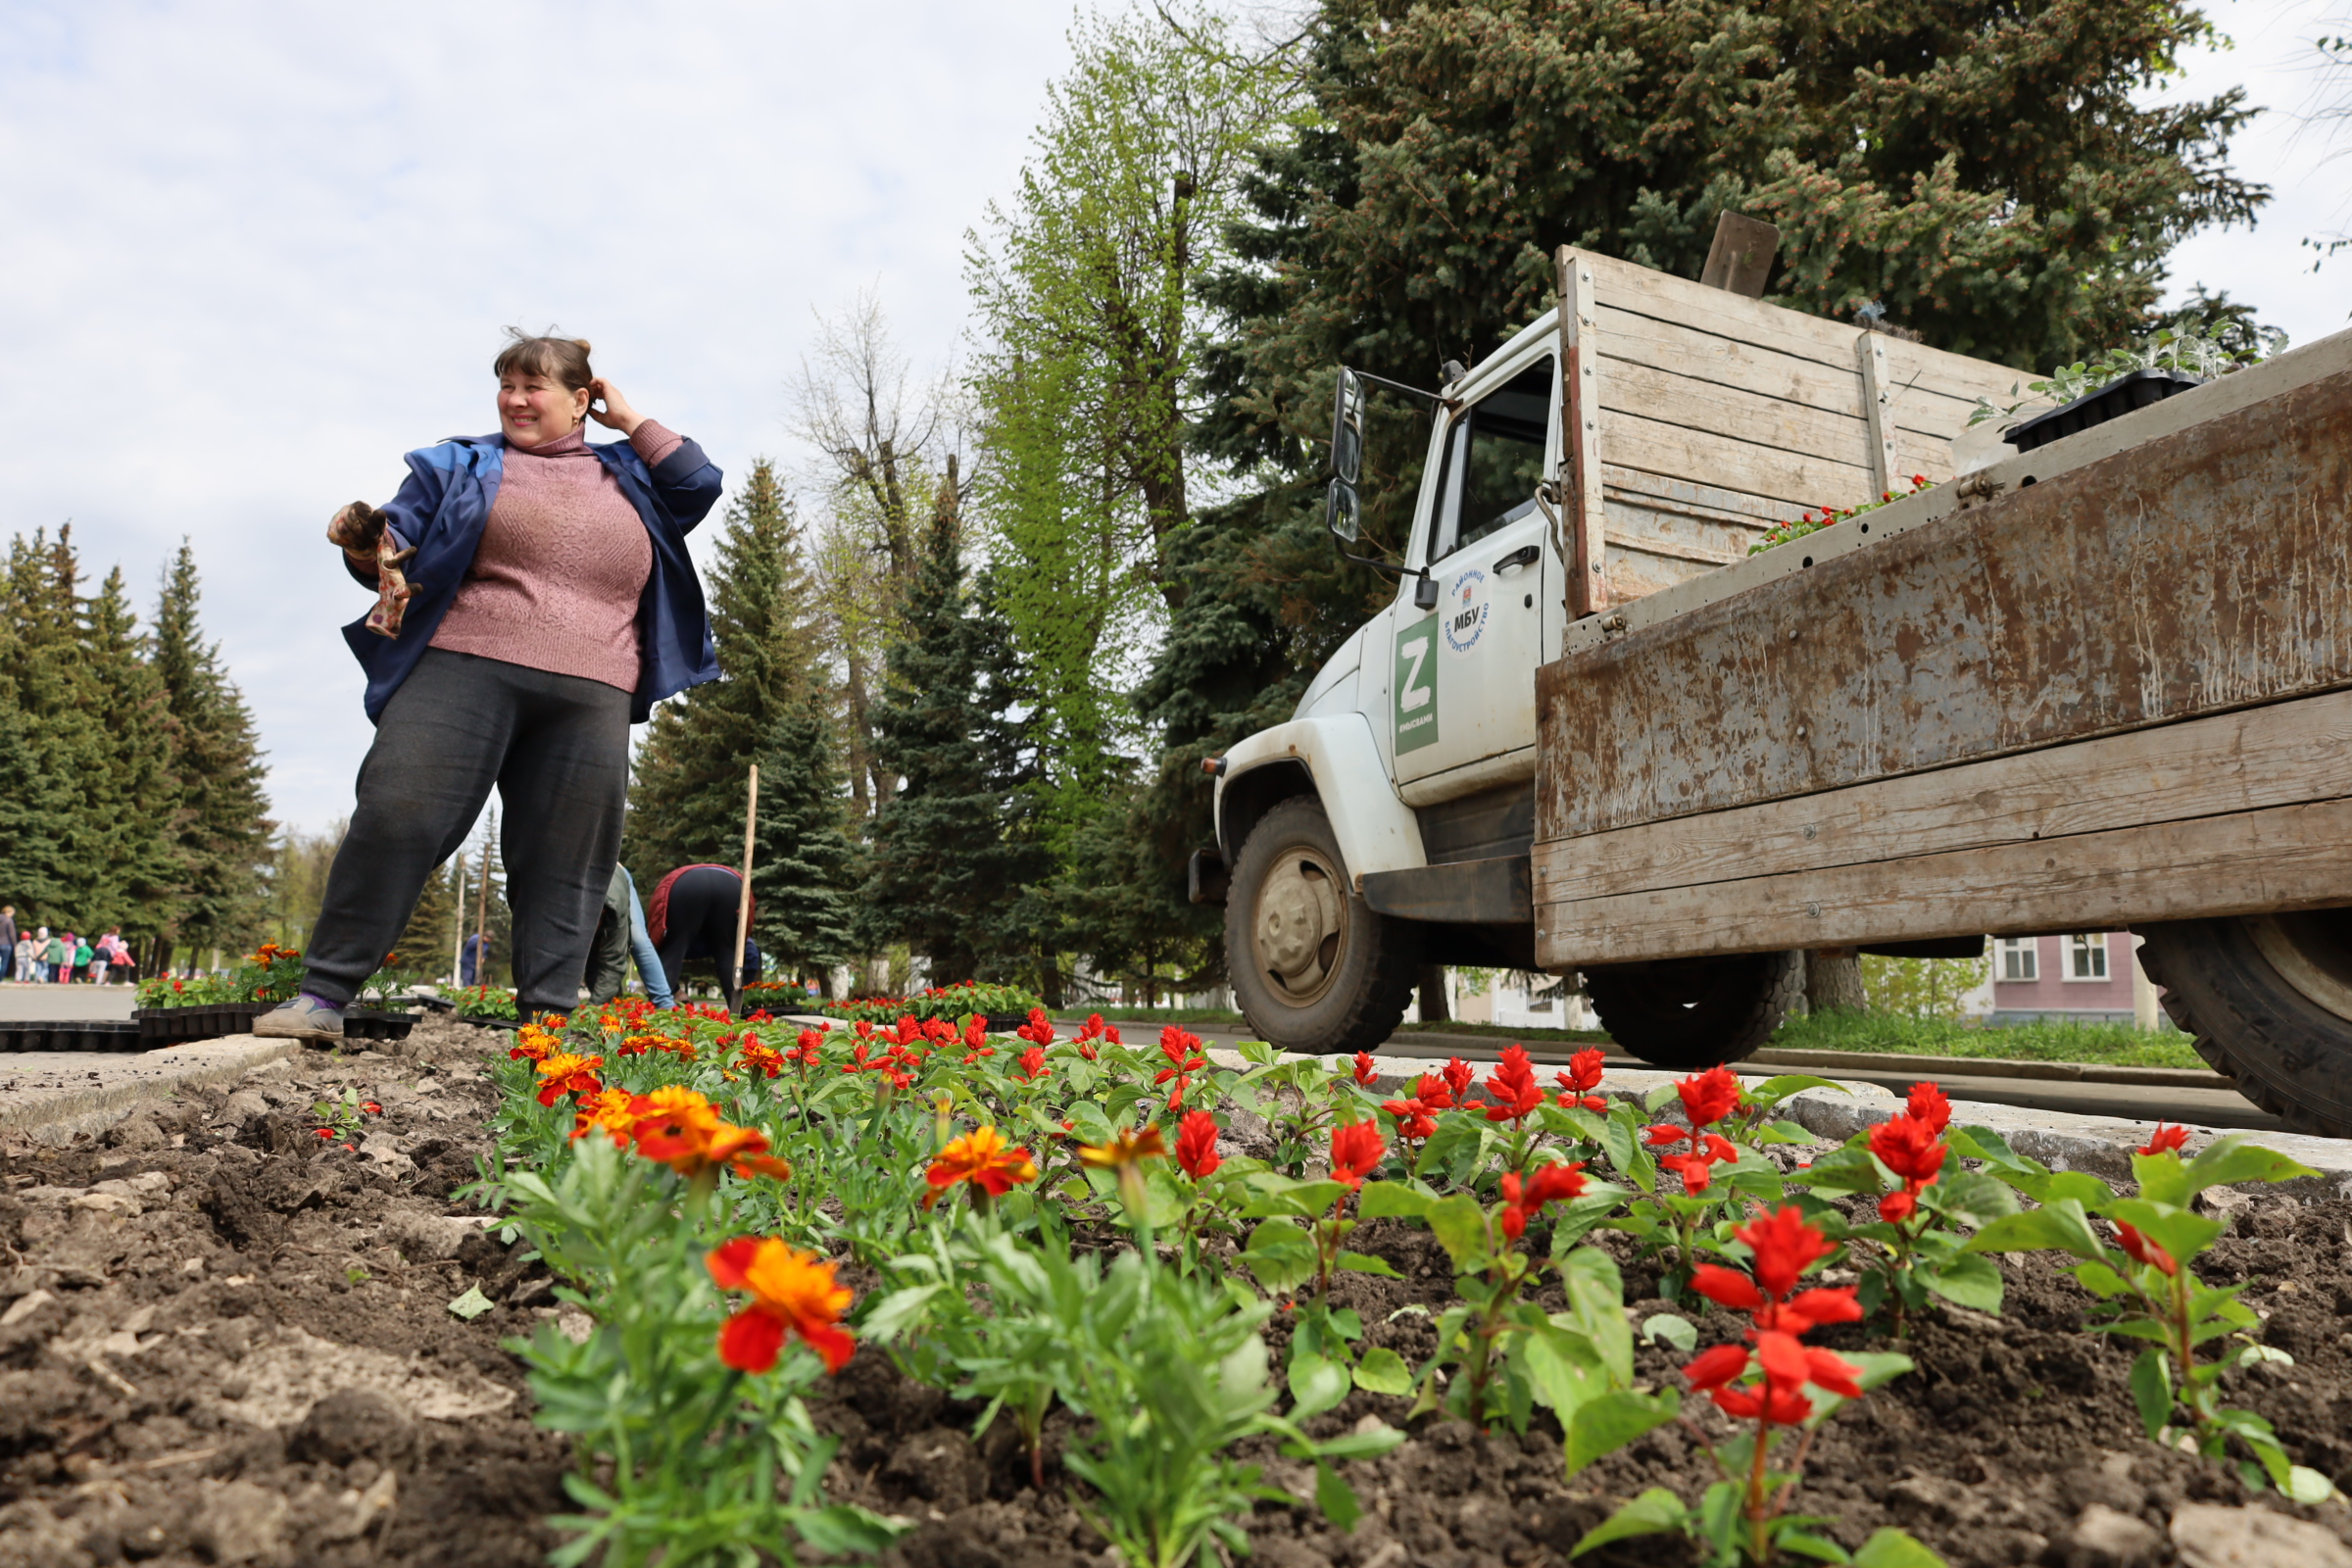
1689, 1014
1314, 967
2266, 998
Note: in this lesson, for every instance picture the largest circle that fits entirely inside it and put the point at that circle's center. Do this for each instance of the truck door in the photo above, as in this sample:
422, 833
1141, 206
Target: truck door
1463, 687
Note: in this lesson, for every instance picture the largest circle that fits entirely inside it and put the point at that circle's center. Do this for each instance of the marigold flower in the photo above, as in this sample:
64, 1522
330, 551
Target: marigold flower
1926, 1103
759, 1058
981, 1157
1356, 1152
2166, 1138
2144, 1250
676, 1127
1512, 1083
534, 1044
792, 1292
1365, 1073
1197, 1145
608, 1110
1711, 1096
1909, 1148
1127, 1147
562, 1073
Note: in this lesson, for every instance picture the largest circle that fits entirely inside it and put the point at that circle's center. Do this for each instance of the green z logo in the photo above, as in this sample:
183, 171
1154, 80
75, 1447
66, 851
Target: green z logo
1415, 685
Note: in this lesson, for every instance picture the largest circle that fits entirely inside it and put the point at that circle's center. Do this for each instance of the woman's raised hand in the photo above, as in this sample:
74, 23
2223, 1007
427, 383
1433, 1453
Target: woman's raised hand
608, 407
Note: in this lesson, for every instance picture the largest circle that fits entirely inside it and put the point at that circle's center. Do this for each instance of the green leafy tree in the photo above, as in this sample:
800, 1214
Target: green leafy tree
220, 828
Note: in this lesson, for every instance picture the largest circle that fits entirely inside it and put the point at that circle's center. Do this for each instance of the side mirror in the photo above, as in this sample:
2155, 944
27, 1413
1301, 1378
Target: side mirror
1347, 428
1341, 512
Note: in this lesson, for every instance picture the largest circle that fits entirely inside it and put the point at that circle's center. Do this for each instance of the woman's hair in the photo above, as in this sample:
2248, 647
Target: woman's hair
562, 359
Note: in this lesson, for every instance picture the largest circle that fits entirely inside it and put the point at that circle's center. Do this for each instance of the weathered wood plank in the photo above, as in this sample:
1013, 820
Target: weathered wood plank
1877, 404
1953, 376
1793, 478
2209, 572
1664, 394
1691, 348
2282, 858
2244, 761
1635, 524
1667, 298
1583, 391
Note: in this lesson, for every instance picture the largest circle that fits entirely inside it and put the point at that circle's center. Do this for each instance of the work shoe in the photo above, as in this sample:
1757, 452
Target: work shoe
306, 1017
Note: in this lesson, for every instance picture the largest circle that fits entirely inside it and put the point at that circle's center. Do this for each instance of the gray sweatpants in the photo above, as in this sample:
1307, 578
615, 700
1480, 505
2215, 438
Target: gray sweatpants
558, 749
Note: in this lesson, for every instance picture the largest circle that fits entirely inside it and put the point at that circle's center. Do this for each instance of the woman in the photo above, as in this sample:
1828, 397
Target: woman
693, 915
534, 599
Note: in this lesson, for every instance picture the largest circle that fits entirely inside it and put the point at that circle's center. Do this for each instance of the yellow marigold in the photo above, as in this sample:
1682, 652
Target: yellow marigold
1126, 1148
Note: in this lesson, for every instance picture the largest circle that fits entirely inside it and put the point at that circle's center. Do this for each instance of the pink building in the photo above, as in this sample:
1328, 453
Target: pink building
2084, 977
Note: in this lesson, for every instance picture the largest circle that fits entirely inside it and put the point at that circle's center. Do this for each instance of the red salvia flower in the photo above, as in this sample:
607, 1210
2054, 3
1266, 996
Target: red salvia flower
1459, 1077
1414, 1119
1909, 1148
1365, 1073
975, 1032
1547, 1184
2144, 1250
1513, 1085
1696, 1171
1583, 1075
1716, 1367
811, 1048
1928, 1103
1433, 1092
1356, 1152
1709, 1096
2172, 1138
1197, 1145
1896, 1207
1039, 1030
1032, 1065
1784, 1245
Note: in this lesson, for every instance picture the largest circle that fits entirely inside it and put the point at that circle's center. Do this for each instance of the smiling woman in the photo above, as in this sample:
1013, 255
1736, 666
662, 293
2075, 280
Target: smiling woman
534, 599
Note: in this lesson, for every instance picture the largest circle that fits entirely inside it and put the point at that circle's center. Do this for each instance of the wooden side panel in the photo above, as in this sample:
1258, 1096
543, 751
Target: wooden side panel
1768, 327
2282, 858
2208, 572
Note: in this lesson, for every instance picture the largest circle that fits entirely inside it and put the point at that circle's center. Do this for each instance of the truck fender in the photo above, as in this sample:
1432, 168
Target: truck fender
1336, 758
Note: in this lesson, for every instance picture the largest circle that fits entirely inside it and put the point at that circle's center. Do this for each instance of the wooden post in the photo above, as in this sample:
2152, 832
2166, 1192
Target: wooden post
742, 905
1584, 547
481, 916
1878, 409
457, 958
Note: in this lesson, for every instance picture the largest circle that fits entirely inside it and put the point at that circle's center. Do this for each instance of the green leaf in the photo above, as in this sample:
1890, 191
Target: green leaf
1605, 1424
2061, 1226
1890, 1547
1806, 1544
1367, 1263
1844, 1171
1336, 1498
1384, 1371
1667, 1328
1280, 1256
1775, 1090
2306, 1486
1563, 1369
1316, 1385
2152, 1390
2231, 1160
1655, 1512
473, 1304
2162, 1178
891, 1315
1972, 1282
2178, 1231
1393, 1200
1460, 1227
2100, 1280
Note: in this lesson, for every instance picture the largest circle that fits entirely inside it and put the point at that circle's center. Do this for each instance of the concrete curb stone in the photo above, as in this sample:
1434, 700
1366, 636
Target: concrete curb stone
49, 1097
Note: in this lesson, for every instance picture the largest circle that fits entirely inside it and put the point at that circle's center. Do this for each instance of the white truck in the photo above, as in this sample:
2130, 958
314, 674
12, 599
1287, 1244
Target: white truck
2103, 680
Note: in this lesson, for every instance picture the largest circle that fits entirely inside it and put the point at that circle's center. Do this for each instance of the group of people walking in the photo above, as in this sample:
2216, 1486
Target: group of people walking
533, 600
37, 956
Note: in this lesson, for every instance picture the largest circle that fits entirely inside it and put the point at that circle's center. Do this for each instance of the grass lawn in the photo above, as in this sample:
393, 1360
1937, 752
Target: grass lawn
1194, 1017
2107, 1044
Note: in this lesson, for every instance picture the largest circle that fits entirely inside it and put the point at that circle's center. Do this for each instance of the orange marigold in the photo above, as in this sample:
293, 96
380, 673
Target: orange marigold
981, 1157
792, 1292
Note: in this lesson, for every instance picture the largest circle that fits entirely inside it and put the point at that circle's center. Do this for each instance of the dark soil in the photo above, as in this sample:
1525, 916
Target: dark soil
228, 1342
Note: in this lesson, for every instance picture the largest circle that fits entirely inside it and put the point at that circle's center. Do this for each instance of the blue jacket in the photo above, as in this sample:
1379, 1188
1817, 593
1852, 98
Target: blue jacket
442, 508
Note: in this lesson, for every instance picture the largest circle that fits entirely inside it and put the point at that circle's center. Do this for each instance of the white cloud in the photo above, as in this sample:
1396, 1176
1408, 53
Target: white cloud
252, 251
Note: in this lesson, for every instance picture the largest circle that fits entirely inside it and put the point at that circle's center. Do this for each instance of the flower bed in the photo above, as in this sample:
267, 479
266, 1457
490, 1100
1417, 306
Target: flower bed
950, 1003
718, 1281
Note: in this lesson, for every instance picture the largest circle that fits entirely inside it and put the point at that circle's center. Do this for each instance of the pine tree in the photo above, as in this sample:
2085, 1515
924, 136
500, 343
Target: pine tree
687, 800
803, 857
222, 829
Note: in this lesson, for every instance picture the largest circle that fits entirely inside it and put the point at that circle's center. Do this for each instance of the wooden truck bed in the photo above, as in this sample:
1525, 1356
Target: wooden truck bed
2108, 681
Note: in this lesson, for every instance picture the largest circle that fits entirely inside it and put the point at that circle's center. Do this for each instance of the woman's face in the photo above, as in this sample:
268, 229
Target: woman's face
534, 410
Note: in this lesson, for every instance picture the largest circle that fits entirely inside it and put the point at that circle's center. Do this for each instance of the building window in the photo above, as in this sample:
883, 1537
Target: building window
2086, 956
2020, 958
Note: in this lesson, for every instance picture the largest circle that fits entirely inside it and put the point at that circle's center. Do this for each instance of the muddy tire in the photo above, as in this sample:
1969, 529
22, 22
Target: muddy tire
2267, 999
1314, 967
1684, 1015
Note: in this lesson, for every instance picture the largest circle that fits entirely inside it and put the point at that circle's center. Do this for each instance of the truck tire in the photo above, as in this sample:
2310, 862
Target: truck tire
2267, 999
1684, 1015
1314, 967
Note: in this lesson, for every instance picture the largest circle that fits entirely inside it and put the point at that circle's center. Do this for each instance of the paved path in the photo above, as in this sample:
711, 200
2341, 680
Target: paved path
27, 1004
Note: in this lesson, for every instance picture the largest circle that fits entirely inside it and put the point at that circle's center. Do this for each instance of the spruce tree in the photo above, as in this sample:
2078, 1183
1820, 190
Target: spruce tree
220, 828
686, 802
802, 864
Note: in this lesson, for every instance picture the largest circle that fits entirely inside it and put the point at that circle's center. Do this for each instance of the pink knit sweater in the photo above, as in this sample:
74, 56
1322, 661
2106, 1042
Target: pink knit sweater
564, 559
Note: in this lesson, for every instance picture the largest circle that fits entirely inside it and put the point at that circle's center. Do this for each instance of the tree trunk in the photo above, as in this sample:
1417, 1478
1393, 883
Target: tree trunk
1432, 985
1834, 979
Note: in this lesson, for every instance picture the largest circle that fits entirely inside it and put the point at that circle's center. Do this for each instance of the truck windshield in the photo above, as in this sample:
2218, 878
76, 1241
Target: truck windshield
1494, 461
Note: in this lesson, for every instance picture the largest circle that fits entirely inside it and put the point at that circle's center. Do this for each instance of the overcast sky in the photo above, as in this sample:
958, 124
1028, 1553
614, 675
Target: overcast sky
250, 253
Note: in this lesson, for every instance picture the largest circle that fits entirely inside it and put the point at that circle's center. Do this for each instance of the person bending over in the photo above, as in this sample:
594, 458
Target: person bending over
621, 935
534, 599
693, 916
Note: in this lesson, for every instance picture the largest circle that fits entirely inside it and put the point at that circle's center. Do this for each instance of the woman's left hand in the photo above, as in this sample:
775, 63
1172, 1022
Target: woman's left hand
608, 407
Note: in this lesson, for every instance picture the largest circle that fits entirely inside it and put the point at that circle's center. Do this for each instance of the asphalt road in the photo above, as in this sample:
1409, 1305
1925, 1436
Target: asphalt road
2219, 1109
